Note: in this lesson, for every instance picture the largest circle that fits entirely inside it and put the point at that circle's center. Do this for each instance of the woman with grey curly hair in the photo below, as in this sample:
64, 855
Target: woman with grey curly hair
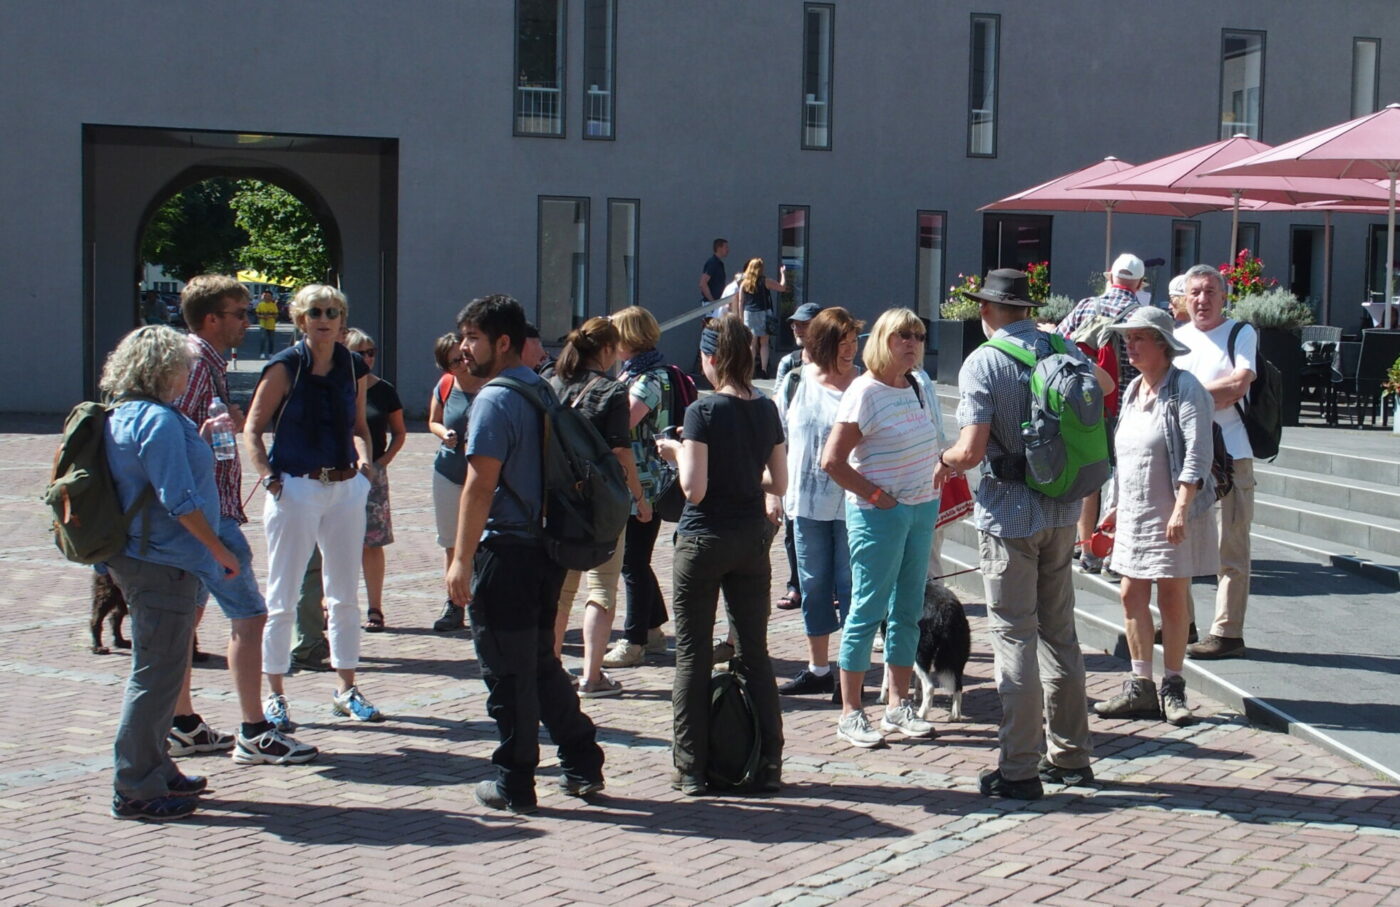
157, 455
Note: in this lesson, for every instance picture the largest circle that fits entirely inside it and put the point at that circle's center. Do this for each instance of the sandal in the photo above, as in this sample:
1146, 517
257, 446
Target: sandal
789, 602
605, 686
374, 623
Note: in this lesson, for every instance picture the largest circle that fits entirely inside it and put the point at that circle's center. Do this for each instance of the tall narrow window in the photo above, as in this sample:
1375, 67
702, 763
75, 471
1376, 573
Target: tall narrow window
624, 215
928, 264
818, 21
1241, 83
1248, 238
792, 243
562, 266
539, 67
599, 63
982, 86
1186, 245
1365, 75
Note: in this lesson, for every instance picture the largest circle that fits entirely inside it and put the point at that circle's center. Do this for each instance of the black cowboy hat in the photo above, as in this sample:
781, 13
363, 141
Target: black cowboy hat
1006, 286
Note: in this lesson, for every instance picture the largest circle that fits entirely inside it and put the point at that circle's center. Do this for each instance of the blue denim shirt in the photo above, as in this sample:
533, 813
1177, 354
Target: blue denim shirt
153, 444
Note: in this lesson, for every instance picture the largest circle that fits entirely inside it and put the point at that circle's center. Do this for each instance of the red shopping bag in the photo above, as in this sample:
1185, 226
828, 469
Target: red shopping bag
955, 502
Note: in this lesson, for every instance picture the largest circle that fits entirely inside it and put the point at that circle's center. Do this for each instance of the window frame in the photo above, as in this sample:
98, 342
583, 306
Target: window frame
806, 251
612, 74
561, 72
830, 9
1195, 230
1241, 244
995, 20
575, 318
1225, 35
636, 204
940, 284
1375, 75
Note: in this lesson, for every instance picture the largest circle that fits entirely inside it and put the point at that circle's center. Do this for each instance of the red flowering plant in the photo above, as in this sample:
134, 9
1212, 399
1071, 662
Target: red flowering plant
1039, 274
1246, 276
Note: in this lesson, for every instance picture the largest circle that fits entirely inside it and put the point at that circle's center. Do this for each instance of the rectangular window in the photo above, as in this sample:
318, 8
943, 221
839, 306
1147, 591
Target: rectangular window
624, 216
929, 265
1241, 83
1307, 266
1248, 239
1015, 240
1365, 75
539, 67
982, 86
818, 23
792, 243
599, 65
562, 268
1186, 245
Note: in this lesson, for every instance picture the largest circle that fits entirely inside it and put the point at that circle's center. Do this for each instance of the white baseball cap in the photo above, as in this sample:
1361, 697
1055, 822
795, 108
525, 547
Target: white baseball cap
1127, 267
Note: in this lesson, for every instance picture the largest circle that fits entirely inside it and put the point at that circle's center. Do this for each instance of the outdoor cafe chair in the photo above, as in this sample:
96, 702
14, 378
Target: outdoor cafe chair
1378, 350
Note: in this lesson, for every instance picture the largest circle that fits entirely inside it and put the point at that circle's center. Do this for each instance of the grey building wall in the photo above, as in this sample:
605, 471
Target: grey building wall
708, 117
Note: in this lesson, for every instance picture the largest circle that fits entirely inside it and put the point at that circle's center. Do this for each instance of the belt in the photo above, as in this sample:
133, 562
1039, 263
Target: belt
326, 475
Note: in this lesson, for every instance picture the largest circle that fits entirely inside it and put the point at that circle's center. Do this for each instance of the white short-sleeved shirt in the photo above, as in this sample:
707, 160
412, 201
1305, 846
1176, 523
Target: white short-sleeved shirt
808, 419
898, 448
1208, 361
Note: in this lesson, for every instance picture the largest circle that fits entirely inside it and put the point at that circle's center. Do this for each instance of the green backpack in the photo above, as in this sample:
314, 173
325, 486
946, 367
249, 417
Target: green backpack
89, 525
1065, 438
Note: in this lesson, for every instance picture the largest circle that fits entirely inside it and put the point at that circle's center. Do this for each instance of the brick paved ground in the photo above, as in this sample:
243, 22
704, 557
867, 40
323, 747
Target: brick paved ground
1216, 813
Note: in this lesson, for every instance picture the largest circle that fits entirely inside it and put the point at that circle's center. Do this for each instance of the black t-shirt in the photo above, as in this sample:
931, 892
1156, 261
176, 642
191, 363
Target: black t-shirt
741, 435
380, 401
714, 270
600, 398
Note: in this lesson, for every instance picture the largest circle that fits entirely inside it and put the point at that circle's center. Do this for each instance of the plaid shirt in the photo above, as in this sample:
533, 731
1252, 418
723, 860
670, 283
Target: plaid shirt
207, 381
1113, 303
993, 388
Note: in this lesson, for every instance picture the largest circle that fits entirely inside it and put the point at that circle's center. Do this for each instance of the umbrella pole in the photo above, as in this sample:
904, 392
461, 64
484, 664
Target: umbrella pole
1327, 267
1235, 228
1108, 237
1390, 251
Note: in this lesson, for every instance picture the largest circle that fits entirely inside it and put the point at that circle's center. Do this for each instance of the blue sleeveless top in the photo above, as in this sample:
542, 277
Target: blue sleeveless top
316, 427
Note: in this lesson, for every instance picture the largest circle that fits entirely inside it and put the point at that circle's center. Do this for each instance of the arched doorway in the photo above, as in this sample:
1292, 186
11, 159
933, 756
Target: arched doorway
349, 183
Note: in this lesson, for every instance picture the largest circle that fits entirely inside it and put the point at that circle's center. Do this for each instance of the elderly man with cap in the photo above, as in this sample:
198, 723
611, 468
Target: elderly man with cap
1026, 540
1119, 298
792, 599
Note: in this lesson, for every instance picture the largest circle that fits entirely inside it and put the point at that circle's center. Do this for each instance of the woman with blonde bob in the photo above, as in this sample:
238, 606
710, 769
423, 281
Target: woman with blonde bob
754, 301
171, 546
883, 451
312, 397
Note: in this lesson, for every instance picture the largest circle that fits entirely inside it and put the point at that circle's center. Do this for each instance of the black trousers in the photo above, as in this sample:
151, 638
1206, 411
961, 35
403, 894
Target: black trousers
515, 593
646, 609
736, 563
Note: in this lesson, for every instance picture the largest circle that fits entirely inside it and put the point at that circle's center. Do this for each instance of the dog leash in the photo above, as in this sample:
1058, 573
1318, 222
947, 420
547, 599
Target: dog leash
958, 573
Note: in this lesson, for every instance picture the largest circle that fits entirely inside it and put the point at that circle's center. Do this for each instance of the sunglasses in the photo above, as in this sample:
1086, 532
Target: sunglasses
330, 313
456, 361
369, 351
917, 336
240, 314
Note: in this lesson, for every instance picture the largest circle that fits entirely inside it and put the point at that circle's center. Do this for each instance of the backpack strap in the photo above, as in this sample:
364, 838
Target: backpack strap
790, 382
1230, 354
529, 393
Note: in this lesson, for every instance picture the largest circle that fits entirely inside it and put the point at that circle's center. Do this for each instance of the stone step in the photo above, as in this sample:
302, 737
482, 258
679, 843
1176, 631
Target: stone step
1337, 529
1380, 567
1381, 467
1356, 495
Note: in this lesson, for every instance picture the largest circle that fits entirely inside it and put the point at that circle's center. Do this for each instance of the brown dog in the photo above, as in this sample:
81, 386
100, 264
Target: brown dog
109, 604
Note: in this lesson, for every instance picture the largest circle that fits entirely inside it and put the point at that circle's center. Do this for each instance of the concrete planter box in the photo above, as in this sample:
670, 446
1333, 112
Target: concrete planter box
1284, 348
956, 339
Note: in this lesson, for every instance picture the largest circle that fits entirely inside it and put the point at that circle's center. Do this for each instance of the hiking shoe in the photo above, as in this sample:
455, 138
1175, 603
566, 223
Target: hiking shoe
1050, 773
1138, 700
454, 617
272, 747
807, 682
690, 785
605, 686
723, 651
624, 654
353, 704
275, 710
901, 719
991, 783
187, 785
1090, 564
156, 809
855, 729
1217, 647
1174, 708
1190, 635
576, 787
202, 739
656, 641
488, 794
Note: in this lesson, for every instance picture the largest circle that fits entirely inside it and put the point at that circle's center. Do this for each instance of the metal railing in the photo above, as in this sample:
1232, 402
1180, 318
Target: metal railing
598, 113
538, 111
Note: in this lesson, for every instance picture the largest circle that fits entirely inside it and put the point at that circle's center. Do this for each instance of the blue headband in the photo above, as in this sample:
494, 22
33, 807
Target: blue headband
709, 341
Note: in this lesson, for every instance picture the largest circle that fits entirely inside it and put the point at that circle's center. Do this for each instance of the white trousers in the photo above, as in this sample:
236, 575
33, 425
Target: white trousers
308, 514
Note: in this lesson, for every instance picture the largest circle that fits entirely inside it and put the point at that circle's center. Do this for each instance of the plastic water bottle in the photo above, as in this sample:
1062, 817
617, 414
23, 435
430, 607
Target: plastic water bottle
224, 445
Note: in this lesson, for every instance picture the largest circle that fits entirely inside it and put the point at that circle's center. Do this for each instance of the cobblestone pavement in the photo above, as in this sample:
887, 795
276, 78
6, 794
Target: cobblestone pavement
1215, 813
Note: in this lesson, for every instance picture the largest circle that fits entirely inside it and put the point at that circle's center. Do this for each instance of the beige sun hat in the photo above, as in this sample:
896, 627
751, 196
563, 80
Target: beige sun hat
1155, 319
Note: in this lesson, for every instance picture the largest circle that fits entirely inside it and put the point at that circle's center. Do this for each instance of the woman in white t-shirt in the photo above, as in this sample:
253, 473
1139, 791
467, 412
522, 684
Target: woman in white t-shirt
883, 451
808, 400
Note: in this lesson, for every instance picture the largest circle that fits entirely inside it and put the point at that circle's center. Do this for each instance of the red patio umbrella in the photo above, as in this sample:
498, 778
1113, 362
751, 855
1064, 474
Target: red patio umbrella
1366, 148
1196, 171
1064, 193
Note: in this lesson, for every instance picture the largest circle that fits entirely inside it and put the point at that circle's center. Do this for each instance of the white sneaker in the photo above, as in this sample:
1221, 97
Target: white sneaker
272, 748
623, 654
901, 719
855, 729
656, 641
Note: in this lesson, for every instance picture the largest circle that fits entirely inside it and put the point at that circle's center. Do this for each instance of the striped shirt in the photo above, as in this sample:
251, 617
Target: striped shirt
898, 448
1114, 302
207, 381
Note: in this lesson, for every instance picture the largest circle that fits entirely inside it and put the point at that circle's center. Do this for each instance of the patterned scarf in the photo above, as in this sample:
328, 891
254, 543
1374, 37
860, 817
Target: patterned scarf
639, 365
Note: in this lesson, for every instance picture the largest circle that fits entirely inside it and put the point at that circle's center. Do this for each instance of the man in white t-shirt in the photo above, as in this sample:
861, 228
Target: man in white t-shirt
1228, 380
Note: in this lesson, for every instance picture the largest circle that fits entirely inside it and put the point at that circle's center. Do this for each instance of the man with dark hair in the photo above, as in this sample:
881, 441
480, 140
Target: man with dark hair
712, 277
503, 576
534, 355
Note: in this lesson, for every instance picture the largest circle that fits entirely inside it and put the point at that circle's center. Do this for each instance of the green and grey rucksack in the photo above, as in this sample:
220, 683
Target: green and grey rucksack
1066, 439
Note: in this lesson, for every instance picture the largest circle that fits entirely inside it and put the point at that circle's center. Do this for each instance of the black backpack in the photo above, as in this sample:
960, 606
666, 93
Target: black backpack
586, 502
1263, 417
736, 743
1222, 465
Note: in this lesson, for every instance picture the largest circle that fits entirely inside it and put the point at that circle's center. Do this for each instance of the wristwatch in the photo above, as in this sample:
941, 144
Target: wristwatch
269, 480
